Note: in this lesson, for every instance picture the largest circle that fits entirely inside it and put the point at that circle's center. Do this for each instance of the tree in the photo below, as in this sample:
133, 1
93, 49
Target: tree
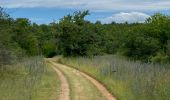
159, 27
3, 14
140, 47
79, 37
75, 36
23, 36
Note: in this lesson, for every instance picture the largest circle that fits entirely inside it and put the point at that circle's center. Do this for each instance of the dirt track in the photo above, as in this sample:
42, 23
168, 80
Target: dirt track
77, 85
64, 92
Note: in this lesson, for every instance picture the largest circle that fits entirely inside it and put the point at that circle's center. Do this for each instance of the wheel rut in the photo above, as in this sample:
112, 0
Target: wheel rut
76, 85
64, 89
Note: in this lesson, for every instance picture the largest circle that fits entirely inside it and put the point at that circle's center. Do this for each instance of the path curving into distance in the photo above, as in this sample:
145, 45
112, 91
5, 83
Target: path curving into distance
76, 85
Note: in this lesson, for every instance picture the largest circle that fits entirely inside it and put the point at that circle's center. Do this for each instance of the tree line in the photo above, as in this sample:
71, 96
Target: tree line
75, 36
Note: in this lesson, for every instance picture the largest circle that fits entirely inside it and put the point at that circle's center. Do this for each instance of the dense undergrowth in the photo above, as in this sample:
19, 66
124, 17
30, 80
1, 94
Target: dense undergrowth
73, 35
127, 80
28, 79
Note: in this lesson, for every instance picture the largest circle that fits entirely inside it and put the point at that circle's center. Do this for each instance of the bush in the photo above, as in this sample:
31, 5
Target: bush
159, 58
6, 56
141, 47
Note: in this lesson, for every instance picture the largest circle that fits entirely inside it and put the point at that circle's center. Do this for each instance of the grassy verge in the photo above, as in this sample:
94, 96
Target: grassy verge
127, 80
31, 79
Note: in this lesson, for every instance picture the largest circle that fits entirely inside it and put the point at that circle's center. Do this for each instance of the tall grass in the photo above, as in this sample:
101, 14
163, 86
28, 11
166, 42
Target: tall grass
127, 80
28, 79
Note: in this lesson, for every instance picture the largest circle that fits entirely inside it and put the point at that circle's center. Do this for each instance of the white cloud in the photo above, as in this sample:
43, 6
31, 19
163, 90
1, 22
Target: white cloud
95, 5
122, 17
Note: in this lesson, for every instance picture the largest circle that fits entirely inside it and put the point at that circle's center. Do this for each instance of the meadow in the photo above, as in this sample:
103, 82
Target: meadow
80, 41
126, 79
28, 79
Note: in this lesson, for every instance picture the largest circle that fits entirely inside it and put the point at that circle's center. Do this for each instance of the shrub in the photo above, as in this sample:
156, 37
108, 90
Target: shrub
159, 58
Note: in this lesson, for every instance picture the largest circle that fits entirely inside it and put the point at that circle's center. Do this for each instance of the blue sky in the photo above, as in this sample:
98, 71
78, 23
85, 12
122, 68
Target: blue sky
46, 11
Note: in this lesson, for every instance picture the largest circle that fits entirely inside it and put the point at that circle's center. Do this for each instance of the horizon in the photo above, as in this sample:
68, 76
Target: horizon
119, 11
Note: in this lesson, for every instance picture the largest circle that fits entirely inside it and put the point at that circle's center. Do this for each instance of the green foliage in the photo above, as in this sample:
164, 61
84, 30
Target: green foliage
6, 56
75, 36
145, 41
160, 58
140, 47
49, 49
159, 28
24, 37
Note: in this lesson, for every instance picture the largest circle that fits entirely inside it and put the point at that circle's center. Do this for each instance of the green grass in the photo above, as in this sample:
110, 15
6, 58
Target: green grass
31, 79
80, 87
127, 80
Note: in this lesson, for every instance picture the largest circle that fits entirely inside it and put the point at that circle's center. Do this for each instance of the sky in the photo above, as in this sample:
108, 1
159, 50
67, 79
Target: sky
106, 11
